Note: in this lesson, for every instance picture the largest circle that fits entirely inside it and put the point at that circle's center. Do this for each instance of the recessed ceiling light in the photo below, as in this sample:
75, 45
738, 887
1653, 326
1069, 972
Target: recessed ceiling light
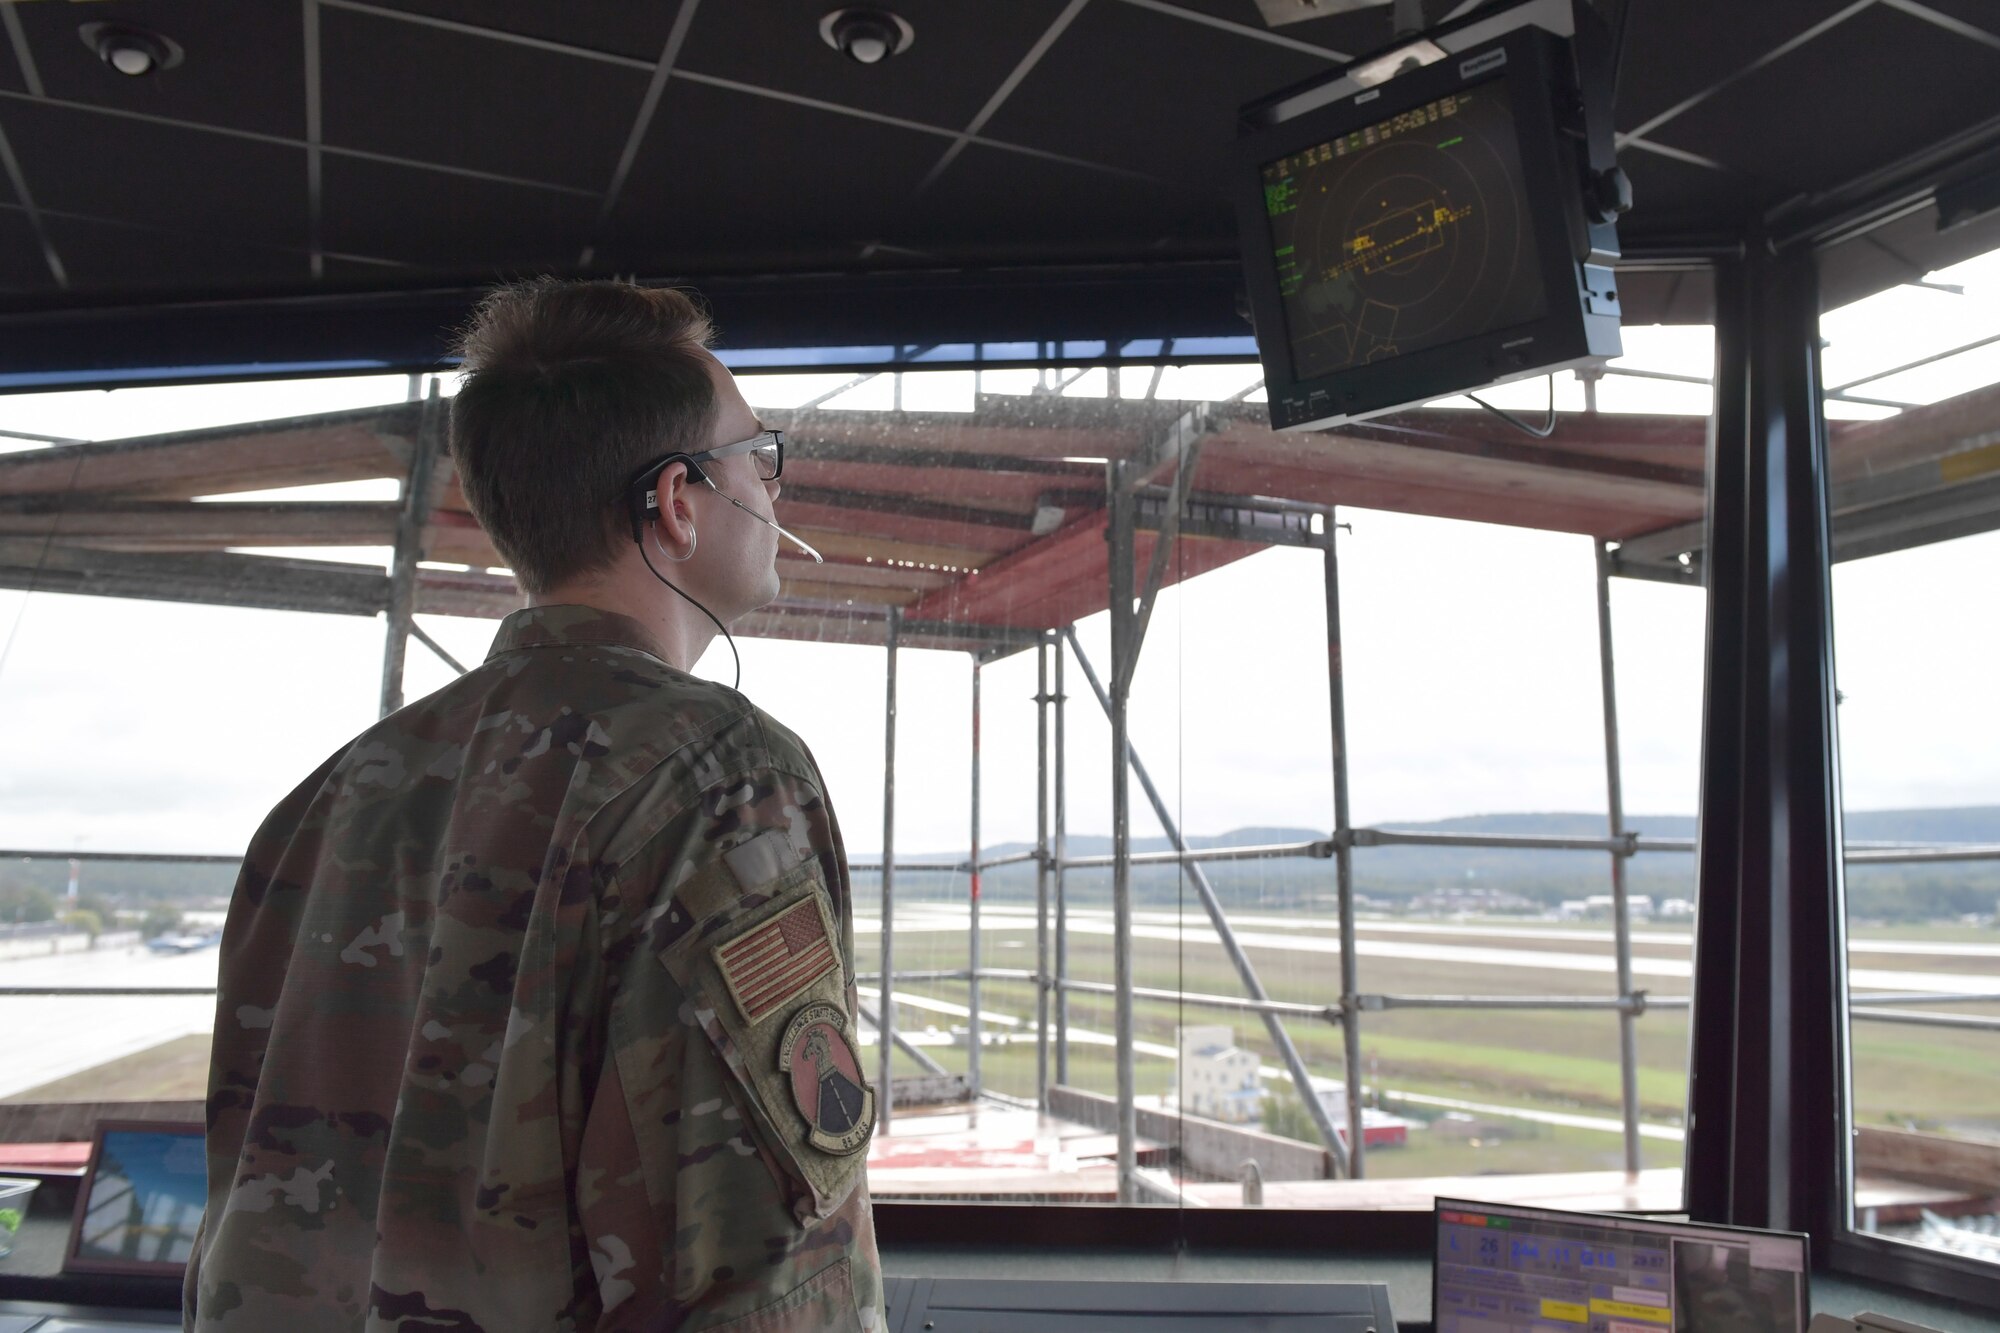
133, 52
866, 36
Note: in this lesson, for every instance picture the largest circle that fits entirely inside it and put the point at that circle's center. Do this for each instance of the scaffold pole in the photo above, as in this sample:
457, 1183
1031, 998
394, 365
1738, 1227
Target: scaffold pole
974, 1032
1042, 874
1061, 854
1343, 861
1621, 905
1119, 532
886, 1030
418, 487
1294, 1063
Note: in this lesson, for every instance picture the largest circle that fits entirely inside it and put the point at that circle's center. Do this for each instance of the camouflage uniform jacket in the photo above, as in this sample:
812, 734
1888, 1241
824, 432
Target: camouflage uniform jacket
537, 1013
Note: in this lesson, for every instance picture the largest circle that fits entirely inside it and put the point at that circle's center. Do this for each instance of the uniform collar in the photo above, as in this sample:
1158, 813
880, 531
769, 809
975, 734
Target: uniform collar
554, 626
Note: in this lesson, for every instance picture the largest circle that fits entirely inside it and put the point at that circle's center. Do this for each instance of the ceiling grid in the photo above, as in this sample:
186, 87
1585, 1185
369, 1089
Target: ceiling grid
1062, 132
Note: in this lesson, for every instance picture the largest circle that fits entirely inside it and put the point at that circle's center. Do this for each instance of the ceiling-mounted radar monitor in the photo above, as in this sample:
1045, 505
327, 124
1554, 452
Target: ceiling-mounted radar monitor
1435, 219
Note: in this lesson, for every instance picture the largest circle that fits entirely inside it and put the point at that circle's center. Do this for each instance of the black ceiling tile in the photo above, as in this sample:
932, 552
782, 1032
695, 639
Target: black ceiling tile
1671, 197
1898, 252
1979, 14
360, 274
101, 256
1835, 109
784, 178
23, 269
1134, 88
420, 92
243, 65
995, 205
959, 57
136, 171
11, 77
452, 223
1686, 296
1675, 51
1352, 33
621, 27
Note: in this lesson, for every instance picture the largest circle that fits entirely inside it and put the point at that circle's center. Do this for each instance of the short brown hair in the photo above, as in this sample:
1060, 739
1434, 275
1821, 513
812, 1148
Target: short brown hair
570, 388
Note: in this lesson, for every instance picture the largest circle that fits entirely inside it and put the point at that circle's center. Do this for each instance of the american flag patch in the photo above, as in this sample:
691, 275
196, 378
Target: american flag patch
767, 967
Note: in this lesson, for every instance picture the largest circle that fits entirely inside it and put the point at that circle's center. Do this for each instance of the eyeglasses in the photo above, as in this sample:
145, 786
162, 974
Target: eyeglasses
766, 449
767, 454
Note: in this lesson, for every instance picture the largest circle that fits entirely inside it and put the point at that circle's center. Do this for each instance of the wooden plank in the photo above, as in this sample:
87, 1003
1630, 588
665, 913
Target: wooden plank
858, 626
344, 446
917, 502
1386, 476
1928, 1159
452, 536
1010, 492
1062, 578
75, 1122
271, 582
455, 593
865, 546
1965, 422
796, 568
833, 589
181, 526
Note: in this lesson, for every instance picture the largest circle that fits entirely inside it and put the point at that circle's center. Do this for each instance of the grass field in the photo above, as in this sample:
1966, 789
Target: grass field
1538, 1062
173, 1071
1553, 1061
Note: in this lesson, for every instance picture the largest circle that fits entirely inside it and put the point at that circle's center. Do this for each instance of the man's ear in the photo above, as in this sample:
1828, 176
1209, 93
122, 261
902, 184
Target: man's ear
673, 517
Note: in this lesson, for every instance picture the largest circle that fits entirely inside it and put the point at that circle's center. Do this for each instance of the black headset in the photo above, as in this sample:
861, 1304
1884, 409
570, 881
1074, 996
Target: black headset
642, 506
642, 493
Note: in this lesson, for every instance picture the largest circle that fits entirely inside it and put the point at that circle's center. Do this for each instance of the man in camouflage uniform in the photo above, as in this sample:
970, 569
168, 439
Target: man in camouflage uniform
537, 1003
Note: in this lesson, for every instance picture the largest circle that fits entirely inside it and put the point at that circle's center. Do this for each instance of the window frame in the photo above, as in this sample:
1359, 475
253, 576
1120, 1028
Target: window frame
1771, 1086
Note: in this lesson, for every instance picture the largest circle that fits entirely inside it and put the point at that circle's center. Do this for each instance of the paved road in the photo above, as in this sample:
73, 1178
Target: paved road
1272, 1073
1377, 939
47, 1038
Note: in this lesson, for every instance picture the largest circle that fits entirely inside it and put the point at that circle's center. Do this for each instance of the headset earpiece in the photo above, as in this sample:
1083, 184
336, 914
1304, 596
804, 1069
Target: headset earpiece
643, 501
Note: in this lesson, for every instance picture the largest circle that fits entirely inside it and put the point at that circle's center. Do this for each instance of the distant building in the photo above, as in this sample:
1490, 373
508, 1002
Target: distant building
1379, 1128
1459, 1127
1217, 1078
1676, 909
1472, 902
1602, 907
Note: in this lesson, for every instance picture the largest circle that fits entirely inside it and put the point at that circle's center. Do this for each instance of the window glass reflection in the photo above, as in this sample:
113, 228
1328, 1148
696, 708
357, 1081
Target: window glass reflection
1508, 1019
1912, 406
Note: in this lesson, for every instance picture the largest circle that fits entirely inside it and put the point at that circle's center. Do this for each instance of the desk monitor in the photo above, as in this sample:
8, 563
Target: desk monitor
141, 1199
1502, 1269
1034, 1305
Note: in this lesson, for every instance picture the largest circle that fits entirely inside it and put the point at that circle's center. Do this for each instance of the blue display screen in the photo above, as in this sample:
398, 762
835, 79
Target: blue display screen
146, 1198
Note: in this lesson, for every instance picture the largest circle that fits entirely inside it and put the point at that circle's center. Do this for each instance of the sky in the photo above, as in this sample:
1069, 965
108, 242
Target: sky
1471, 650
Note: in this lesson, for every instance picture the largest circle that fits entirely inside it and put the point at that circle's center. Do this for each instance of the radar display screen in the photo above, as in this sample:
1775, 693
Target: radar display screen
1404, 234
1502, 1269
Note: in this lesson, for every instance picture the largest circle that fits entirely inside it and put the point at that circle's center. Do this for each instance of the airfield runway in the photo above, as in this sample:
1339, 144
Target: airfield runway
50, 1037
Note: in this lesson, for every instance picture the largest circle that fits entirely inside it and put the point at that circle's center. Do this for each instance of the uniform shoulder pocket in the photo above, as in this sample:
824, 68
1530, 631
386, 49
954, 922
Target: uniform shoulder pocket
764, 970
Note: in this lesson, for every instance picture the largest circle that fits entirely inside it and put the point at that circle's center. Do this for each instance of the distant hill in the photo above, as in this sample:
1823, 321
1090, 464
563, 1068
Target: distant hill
1387, 874
127, 883
1396, 874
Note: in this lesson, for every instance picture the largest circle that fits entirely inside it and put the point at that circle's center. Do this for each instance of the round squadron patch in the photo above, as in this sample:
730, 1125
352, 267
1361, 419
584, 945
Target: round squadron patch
827, 1086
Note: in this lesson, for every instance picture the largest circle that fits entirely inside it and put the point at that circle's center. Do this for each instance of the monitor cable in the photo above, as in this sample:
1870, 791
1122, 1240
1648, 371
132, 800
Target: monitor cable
1541, 432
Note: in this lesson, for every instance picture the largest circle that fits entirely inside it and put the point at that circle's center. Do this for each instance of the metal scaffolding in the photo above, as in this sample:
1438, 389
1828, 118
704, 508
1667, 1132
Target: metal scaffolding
1290, 524
418, 500
1271, 522
442, 565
